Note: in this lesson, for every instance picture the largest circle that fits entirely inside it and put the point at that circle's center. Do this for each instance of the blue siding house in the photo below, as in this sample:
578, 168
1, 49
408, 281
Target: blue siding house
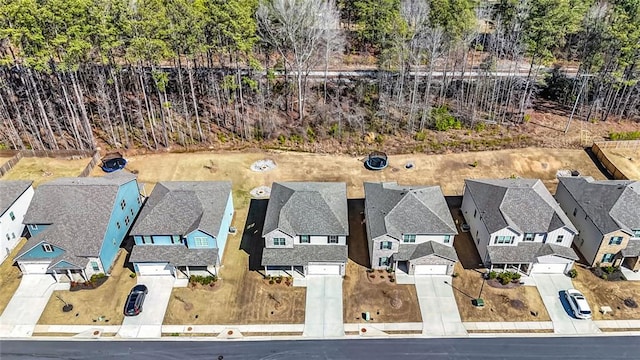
183, 228
77, 225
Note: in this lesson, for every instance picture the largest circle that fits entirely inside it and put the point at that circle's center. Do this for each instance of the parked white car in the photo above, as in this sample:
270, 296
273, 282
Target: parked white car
578, 304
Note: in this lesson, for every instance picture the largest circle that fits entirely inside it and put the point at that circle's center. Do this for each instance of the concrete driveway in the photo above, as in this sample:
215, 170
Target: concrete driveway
148, 324
438, 306
25, 307
323, 314
551, 288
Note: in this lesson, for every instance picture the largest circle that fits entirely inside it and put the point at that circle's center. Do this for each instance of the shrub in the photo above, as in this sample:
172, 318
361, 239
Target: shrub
493, 275
295, 138
282, 140
443, 120
604, 276
573, 273
455, 275
204, 280
379, 139
311, 135
508, 276
96, 277
133, 275
609, 269
629, 135
421, 135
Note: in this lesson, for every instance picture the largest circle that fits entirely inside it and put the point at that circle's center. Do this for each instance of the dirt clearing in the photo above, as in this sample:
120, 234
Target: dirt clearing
626, 160
45, 169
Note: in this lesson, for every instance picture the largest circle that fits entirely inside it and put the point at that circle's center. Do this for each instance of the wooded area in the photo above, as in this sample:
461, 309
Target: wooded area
76, 74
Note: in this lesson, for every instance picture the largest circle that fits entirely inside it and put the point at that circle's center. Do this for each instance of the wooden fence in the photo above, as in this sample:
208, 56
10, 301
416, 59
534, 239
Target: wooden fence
604, 160
17, 155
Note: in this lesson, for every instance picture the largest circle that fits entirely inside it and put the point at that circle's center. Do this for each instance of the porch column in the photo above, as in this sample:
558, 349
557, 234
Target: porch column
69, 274
505, 267
84, 275
187, 269
55, 275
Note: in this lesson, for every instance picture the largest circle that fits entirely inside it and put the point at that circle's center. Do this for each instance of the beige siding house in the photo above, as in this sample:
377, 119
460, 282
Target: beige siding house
409, 228
607, 215
517, 225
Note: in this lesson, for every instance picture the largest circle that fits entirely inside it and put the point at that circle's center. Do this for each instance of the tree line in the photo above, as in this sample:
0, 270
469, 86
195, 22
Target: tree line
157, 73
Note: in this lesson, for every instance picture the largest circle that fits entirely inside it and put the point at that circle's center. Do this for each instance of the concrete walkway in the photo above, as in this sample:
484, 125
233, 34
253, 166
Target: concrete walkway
630, 275
148, 324
440, 316
551, 288
323, 313
27, 304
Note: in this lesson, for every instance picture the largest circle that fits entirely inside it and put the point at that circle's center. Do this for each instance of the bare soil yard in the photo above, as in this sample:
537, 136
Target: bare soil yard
4, 159
105, 301
626, 160
601, 292
45, 169
10, 276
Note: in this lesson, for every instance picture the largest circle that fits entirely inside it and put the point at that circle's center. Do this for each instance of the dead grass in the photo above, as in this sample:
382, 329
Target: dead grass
45, 169
601, 292
626, 160
10, 276
88, 305
4, 159
514, 331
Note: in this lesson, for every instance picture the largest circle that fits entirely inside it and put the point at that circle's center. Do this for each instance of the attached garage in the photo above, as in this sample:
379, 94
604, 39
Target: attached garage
430, 270
323, 269
33, 268
550, 268
155, 269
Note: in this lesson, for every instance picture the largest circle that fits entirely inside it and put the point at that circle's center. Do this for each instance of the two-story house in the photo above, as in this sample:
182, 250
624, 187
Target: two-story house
15, 197
607, 213
409, 228
77, 225
183, 228
517, 225
305, 229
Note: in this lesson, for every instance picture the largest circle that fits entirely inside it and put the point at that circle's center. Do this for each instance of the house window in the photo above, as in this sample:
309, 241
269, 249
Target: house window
528, 237
94, 266
201, 241
385, 245
503, 240
615, 240
12, 216
123, 204
126, 220
447, 238
575, 211
138, 199
13, 235
34, 227
383, 261
409, 238
147, 239
175, 239
475, 212
304, 239
607, 258
333, 239
118, 224
132, 213
636, 233
47, 248
559, 238
279, 241
8, 237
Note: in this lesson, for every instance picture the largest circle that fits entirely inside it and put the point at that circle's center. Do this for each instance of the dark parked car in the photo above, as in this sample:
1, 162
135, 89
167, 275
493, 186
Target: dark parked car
135, 300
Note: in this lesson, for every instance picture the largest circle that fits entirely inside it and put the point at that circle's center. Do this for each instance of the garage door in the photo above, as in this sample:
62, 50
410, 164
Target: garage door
430, 270
323, 269
34, 268
549, 268
155, 269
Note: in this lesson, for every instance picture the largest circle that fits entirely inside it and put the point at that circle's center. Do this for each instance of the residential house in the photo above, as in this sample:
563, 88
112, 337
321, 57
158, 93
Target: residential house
77, 225
183, 228
409, 228
608, 217
15, 197
517, 225
305, 229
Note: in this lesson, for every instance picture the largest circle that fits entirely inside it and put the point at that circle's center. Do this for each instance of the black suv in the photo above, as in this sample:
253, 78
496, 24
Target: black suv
136, 297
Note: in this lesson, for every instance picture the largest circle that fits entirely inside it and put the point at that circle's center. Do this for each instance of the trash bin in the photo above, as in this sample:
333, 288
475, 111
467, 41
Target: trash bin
478, 302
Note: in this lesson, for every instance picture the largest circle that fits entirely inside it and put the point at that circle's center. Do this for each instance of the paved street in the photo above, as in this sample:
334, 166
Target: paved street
440, 314
323, 314
149, 323
551, 288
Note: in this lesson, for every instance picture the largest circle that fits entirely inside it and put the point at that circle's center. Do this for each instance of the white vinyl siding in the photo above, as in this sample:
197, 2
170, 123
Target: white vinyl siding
501, 240
279, 242
333, 239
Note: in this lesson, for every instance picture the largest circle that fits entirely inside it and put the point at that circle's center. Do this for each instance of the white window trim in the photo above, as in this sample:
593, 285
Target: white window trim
332, 239
47, 248
279, 238
409, 238
200, 239
308, 239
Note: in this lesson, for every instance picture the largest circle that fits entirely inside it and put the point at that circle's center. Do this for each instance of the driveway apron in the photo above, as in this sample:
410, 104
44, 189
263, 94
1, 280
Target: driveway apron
148, 324
551, 288
323, 314
27, 304
440, 316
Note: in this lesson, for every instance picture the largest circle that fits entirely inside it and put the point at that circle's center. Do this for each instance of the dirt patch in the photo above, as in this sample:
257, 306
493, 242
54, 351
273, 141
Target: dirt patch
10, 276
513, 331
601, 292
626, 160
497, 284
46, 169
100, 306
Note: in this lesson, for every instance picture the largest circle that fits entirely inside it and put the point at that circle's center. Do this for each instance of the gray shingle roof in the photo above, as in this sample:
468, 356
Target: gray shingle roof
610, 204
416, 251
527, 252
395, 210
177, 255
179, 207
79, 210
632, 249
307, 208
10, 191
303, 254
522, 204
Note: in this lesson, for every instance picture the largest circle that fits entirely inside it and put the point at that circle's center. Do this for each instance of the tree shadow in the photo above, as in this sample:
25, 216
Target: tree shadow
252, 242
127, 244
357, 243
463, 243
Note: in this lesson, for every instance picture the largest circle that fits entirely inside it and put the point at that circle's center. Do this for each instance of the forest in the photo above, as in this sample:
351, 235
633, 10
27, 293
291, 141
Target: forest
154, 74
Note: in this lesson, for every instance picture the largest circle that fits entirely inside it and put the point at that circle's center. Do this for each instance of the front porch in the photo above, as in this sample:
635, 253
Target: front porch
286, 270
69, 275
185, 272
522, 268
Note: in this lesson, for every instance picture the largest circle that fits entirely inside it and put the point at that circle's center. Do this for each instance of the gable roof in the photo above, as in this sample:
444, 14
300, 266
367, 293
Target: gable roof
307, 208
78, 209
524, 205
180, 207
416, 251
10, 191
610, 204
394, 210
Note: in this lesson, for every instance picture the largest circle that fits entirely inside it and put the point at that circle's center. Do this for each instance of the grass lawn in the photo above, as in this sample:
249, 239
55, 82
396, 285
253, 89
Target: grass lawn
107, 300
601, 292
10, 276
626, 160
45, 169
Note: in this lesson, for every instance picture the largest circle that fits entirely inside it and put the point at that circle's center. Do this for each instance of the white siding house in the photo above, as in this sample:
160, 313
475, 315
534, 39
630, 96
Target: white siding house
15, 197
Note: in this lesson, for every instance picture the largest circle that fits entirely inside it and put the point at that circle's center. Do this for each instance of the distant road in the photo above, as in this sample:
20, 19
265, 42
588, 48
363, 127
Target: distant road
601, 347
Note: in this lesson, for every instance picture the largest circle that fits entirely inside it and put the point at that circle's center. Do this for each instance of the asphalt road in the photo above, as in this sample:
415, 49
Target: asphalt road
602, 347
